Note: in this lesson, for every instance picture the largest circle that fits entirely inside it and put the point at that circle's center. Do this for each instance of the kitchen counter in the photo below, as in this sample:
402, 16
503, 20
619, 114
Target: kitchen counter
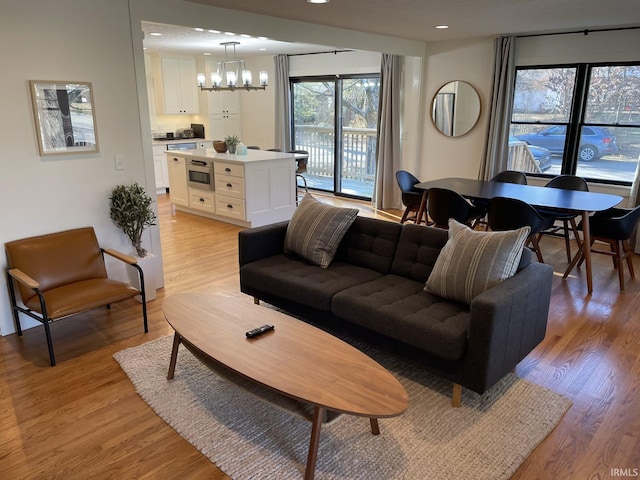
181, 140
250, 190
250, 157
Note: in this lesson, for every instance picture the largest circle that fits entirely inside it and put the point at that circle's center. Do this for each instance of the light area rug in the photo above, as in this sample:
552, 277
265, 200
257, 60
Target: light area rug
487, 438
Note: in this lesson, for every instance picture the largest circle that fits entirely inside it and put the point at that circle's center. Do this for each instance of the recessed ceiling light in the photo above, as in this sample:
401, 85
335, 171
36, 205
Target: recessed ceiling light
156, 34
442, 27
229, 33
198, 29
263, 38
318, 1
245, 35
215, 31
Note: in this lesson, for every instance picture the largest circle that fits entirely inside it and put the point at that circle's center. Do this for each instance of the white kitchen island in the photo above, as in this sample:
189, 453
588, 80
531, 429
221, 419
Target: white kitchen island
250, 190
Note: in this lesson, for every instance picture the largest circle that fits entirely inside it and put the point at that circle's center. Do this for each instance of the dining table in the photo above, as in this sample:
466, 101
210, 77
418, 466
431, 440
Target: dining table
563, 201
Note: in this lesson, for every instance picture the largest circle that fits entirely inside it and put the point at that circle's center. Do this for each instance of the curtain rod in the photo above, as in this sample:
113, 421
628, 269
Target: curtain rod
586, 31
335, 52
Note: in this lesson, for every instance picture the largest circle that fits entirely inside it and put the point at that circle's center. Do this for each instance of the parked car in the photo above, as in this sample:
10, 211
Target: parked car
542, 156
595, 142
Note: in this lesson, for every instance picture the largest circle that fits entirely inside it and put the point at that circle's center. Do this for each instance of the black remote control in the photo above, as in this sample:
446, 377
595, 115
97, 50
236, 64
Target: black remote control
259, 331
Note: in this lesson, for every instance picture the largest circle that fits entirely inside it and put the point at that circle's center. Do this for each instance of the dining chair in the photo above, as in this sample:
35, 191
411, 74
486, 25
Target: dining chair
505, 176
566, 182
615, 227
301, 167
510, 176
411, 197
443, 204
511, 214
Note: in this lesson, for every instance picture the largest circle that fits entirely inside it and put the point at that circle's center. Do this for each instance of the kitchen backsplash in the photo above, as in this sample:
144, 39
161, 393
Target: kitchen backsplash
161, 124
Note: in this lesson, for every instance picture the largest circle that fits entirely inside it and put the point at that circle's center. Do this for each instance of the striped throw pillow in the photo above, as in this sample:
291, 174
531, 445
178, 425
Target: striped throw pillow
316, 229
473, 261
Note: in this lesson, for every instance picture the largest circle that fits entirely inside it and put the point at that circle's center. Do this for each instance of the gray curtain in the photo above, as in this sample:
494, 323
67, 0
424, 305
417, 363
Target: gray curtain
386, 193
634, 201
496, 151
283, 103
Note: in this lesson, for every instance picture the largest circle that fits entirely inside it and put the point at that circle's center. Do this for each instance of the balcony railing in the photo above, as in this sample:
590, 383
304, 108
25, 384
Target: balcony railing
358, 156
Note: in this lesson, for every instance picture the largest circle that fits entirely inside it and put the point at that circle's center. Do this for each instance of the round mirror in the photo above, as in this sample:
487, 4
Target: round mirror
455, 108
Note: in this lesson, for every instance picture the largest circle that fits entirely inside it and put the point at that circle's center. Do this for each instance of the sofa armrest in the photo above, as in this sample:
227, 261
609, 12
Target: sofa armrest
261, 242
507, 322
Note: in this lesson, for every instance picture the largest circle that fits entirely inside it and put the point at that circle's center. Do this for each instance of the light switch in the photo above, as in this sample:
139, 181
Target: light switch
119, 160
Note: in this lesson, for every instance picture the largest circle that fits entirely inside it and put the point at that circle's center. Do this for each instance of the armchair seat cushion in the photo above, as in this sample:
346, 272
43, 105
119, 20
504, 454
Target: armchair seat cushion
288, 277
81, 296
399, 308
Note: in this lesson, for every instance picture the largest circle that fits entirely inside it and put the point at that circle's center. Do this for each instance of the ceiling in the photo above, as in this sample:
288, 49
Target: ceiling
409, 19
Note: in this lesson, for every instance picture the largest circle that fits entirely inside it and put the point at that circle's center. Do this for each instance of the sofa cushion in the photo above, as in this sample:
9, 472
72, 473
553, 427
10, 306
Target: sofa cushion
473, 261
417, 251
316, 229
291, 278
399, 308
370, 243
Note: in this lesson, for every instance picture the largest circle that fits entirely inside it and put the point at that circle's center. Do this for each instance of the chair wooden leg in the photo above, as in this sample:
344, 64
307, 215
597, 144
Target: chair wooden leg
617, 261
567, 241
536, 246
628, 254
405, 215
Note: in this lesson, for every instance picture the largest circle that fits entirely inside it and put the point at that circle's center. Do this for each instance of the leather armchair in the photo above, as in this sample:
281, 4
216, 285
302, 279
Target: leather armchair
63, 274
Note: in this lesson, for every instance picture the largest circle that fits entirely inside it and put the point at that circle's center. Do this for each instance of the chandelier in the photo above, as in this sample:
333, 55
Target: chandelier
230, 71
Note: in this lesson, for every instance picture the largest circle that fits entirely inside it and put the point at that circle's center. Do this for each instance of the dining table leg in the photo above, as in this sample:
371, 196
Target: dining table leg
585, 252
586, 241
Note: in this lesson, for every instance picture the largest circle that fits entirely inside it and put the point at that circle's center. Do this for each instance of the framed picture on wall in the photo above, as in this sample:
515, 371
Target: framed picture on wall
65, 117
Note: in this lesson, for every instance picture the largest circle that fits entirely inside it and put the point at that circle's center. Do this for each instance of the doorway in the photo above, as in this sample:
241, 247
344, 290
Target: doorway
335, 119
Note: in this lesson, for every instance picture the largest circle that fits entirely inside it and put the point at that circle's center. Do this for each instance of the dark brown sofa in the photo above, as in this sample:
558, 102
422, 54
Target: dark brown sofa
374, 288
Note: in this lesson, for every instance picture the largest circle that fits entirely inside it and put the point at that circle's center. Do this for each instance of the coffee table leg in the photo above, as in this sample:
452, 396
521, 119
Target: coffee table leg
174, 356
375, 428
316, 425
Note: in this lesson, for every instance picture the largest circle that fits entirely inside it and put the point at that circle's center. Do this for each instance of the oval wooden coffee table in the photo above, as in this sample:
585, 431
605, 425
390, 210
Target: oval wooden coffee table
296, 359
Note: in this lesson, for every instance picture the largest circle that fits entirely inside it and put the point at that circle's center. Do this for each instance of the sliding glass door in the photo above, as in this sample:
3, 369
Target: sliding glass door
335, 120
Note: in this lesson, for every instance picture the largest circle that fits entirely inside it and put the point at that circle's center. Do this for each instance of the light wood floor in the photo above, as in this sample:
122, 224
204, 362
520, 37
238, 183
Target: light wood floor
83, 419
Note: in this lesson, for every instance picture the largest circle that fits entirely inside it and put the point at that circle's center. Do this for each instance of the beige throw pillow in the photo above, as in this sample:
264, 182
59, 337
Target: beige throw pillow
316, 229
473, 261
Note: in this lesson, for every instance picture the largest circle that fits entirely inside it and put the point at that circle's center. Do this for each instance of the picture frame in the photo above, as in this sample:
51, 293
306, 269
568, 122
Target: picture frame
65, 117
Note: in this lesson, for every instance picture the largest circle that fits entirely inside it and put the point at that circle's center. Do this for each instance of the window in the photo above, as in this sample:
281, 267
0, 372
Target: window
585, 118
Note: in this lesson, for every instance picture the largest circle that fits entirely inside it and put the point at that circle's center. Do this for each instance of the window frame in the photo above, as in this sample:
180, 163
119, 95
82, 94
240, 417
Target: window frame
576, 121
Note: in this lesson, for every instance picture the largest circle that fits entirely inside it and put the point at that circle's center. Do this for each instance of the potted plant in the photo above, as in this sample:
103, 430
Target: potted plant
232, 141
130, 209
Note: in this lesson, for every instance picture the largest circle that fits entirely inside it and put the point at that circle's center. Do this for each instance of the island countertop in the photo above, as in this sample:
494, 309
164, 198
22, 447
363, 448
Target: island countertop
250, 157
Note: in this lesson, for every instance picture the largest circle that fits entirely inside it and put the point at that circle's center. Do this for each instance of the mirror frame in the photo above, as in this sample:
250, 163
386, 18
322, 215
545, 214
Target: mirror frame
432, 105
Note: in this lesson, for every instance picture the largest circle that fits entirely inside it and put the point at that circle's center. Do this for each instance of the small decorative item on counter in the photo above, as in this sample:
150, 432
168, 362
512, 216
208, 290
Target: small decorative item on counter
219, 146
241, 149
232, 142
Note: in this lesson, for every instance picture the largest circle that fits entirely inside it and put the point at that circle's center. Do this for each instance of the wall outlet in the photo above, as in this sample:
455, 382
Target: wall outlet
119, 161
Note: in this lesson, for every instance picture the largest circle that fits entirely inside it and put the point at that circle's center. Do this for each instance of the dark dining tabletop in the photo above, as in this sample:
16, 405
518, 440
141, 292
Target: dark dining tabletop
553, 198
581, 203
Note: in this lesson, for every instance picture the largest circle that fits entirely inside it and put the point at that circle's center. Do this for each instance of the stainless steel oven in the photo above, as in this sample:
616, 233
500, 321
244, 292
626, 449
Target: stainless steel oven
200, 174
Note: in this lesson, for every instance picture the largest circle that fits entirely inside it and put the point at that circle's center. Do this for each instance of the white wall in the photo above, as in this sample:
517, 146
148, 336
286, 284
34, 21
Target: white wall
82, 40
471, 61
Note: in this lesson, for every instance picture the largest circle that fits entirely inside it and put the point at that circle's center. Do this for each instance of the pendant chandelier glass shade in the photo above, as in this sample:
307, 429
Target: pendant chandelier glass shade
229, 72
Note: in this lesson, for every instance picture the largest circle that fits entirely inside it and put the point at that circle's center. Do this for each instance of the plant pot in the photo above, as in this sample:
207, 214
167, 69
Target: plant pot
149, 266
219, 146
232, 149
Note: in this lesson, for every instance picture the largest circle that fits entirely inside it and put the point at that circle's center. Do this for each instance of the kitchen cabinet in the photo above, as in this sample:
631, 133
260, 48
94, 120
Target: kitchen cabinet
160, 168
180, 85
225, 124
202, 200
178, 189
